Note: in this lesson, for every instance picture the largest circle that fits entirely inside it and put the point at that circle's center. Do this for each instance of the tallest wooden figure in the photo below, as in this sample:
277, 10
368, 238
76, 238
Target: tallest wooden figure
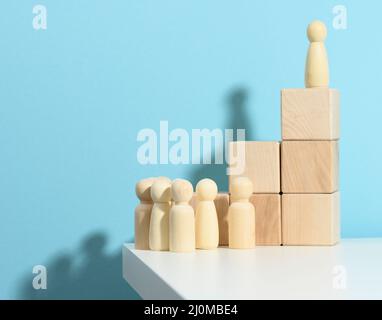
317, 67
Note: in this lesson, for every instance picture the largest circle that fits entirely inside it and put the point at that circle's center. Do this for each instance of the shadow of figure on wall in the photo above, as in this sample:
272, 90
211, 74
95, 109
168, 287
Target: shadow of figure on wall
238, 117
90, 274
93, 273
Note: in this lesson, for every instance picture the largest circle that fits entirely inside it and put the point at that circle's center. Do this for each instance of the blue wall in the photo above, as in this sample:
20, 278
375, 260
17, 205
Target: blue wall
74, 96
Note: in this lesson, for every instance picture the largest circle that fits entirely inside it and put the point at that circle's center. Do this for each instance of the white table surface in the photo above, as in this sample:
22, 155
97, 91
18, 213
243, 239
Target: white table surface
349, 270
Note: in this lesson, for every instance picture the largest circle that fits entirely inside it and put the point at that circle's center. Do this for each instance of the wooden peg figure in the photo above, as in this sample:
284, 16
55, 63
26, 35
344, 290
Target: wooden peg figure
206, 220
182, 217
317, 66
159, 222
241, 215
143, 213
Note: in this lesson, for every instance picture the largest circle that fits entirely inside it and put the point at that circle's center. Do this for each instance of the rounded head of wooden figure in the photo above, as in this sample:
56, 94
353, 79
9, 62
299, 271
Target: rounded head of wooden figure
143, 189
181, 190
241, 188
317, 31
161, 190
206, 190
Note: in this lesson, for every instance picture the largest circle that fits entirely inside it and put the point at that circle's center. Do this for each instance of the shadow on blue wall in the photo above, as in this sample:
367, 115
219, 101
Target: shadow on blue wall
236, 108
92, 273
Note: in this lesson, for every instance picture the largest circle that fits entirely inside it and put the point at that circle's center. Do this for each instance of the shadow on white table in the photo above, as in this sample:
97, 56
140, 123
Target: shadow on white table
350, 270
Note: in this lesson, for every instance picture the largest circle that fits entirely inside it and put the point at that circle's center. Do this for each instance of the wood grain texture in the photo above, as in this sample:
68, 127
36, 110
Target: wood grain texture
222, 205
310, 114
309, 166
311, 219
261, 164
317, 66
268, 219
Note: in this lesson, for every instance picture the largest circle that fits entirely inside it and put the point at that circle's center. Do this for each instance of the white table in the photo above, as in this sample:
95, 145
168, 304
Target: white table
350, 270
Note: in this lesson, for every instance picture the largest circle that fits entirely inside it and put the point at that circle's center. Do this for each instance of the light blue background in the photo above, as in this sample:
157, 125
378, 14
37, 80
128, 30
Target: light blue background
73, 98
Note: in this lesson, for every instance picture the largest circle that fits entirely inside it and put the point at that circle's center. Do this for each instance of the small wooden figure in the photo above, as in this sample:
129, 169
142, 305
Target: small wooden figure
159, 222
222, 204
241, 215
143, 213
182, 217
206, 220
317, 66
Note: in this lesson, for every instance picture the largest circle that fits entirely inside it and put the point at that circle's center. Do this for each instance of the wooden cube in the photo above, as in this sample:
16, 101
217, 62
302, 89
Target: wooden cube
222, 205
310, 114
259, 161
268, 219
309, 166
311, 219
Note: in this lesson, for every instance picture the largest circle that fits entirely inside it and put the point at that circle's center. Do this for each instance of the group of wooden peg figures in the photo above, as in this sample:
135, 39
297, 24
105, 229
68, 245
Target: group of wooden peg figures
165, 220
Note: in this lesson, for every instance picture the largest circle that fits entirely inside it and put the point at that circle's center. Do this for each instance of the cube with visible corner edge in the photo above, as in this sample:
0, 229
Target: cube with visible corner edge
310, 114
268, 219
311, 219
257, 160
309, 166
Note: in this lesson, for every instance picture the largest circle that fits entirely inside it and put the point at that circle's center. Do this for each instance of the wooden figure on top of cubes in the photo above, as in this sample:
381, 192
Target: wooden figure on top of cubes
206, 220
241, 215
317, 66
161, 195
182, 217
143, 213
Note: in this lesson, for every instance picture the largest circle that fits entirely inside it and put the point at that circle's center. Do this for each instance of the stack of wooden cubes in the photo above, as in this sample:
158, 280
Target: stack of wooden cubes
296, 195
309, 166
262, 167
